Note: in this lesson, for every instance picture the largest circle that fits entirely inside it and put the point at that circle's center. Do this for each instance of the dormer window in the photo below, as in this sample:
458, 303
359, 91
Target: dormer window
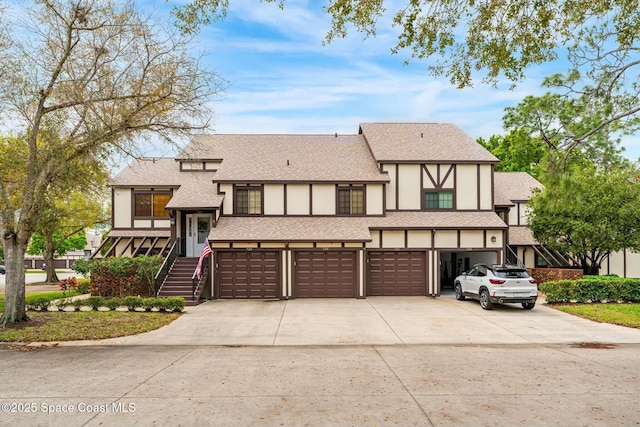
248, 200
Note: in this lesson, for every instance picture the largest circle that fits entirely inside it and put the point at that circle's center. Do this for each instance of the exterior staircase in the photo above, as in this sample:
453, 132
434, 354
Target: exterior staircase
179, 284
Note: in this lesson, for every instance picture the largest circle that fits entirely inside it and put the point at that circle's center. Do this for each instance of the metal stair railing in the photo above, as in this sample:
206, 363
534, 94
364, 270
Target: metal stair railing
163, 273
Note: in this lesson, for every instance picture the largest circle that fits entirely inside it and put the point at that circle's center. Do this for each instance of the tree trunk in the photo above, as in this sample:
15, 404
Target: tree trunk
52, 277
14, 303
590, 270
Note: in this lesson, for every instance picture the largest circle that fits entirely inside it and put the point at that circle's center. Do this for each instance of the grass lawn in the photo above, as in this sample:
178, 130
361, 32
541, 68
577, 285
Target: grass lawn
617, 314
82, 325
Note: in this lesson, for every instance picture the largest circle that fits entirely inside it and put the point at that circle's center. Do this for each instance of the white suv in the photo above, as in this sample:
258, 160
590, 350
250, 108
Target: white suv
492, 284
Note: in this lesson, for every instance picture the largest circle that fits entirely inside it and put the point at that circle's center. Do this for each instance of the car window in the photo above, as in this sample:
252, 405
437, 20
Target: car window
512, 274
482, 271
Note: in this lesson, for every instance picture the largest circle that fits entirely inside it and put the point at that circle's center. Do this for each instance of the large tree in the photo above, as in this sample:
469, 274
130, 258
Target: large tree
466, 38
62, 223
80, 79
518, 151
589, 213
75, 201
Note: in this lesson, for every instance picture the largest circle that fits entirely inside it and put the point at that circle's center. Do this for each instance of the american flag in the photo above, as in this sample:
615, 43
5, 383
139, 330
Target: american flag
206, 250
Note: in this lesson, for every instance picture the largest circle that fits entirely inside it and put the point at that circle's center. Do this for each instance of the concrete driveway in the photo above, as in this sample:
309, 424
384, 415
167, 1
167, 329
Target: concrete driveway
374, 321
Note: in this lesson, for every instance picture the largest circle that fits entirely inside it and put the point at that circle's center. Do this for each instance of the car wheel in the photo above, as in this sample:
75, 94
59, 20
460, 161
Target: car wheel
485, 301
528, 305
458, 291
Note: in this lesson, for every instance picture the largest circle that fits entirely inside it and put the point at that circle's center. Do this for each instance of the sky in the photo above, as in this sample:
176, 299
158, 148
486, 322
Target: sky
281, 78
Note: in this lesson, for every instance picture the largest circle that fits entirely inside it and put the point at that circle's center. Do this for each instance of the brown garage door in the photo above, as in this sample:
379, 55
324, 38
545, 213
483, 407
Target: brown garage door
396, 273
325, 274
248, 274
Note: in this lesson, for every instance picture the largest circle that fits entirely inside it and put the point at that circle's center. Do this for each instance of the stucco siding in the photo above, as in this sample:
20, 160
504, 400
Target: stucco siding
375, 201
419, 239
122, 208
471, 239
486, 187
446, 239
524, 212
274, 199
297, 199
391, 187
467, 189
375, 240
324, 199
392, 238
142, 223
410, 187
227, 189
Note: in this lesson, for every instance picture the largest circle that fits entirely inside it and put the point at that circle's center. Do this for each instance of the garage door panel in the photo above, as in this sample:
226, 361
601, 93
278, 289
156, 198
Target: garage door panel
326, 274
397, 273
248, 274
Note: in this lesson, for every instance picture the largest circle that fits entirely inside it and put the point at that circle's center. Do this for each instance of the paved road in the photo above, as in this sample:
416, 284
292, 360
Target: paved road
396, 385
307, 362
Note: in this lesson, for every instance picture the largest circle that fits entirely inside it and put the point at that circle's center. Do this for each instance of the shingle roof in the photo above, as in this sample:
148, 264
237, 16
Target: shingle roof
140, 233
195, 189
341, 229
197, 192
423, 142
510, 187
151, 172
265, 229
268, 158
521, 236
440, 220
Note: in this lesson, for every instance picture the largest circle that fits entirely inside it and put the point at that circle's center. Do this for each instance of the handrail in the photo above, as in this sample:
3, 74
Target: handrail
519, 262
162, 274
204, 274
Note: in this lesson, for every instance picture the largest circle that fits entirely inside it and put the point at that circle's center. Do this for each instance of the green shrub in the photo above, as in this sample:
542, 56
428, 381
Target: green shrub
558, 290
83, 286
64, 302
113, 303
592, 289
173, 304
82, 266
39, 302
149, 303
78, 304
132, 302
94, 302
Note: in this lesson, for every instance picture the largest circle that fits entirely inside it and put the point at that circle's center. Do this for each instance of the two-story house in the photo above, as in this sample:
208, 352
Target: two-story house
396, 209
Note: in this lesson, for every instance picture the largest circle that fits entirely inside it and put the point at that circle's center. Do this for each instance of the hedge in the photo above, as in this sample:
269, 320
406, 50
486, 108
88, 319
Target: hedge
176, 304
592, 289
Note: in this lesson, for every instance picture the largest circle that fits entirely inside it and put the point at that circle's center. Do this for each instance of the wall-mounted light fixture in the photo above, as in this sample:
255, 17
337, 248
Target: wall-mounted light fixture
493, 239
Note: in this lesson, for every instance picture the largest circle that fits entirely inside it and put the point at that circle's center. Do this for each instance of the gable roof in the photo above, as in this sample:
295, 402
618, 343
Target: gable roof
511, 187
423, 142
269, 158
150, 172
193, 189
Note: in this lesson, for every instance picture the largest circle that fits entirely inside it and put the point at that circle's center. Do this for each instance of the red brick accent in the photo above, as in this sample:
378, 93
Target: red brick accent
548, 274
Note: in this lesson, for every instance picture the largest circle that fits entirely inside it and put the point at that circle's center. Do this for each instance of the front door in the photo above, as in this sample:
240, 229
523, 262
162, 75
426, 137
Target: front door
198, 227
